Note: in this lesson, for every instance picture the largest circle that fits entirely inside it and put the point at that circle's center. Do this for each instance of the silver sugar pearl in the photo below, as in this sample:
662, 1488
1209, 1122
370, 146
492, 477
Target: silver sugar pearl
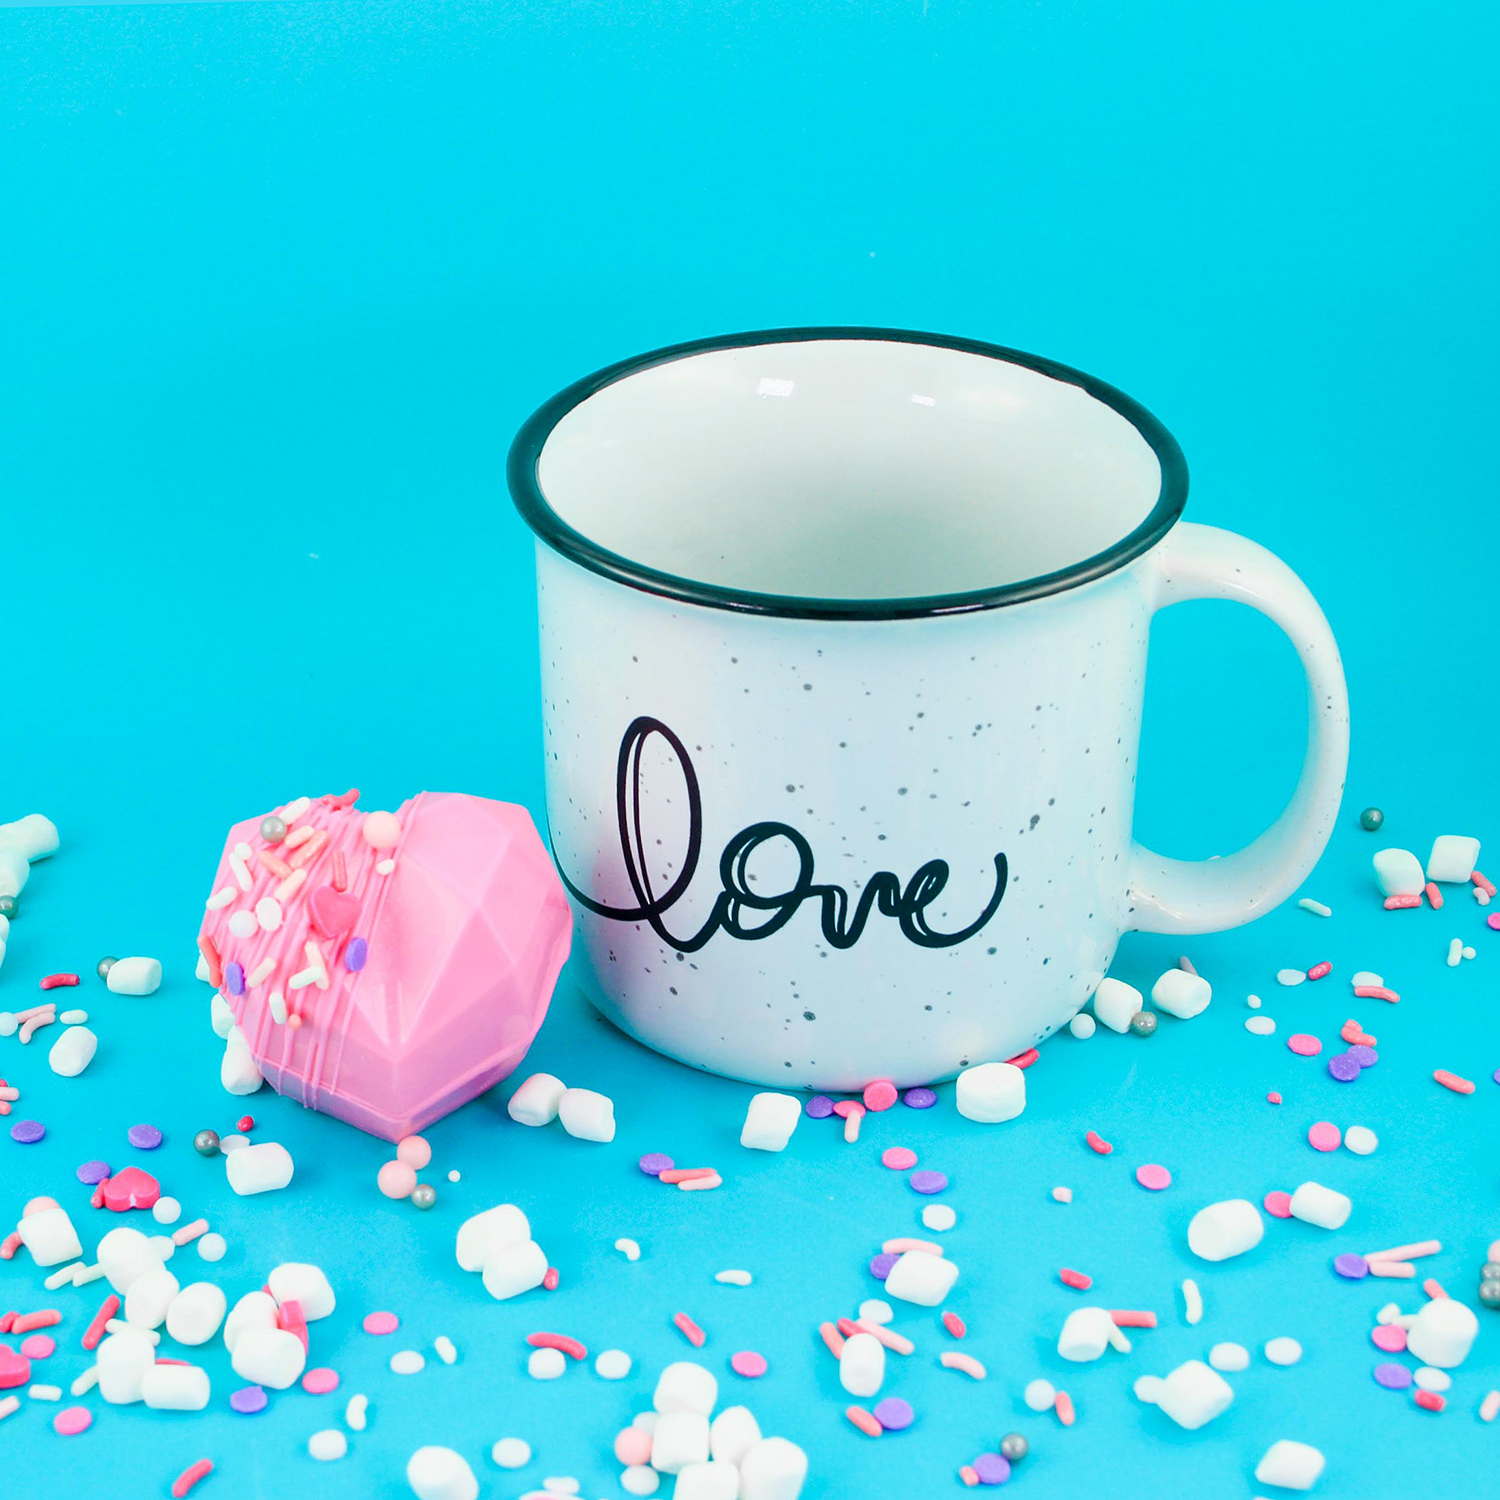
272, 829
424, 1195
1014, 1447
104, 966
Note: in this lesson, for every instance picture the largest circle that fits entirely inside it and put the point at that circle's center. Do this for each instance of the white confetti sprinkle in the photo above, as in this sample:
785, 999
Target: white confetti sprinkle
1315, 907
1291, 978
407, 1362
1260, 1025
628, 1248
733, 1278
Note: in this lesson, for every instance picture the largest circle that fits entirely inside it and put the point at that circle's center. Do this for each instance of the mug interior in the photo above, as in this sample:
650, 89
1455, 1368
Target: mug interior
857, 468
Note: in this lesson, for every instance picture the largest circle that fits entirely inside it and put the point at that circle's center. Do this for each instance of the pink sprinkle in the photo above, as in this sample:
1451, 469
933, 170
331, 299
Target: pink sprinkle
1098, 1143
1434, 897
1278, 1204
748, 1363
72, 1420
1075, 1279
1154, 1177
898, 1158
1320, 971
551, 1279
633, 1446
1303, 1044
1273, 1097
38, 1346
880, 1095
1493, 921
690, 1330
381, 1322
955, 1325
320, 1381
1325, 1137
1390, 1337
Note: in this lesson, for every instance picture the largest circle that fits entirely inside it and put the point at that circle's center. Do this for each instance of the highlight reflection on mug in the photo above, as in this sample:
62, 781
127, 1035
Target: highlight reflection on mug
842, 929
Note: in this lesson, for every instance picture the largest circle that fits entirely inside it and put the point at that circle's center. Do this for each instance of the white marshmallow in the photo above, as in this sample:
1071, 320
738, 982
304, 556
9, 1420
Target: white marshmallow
774, 1469
1442, 1333
1115, 1002
681, 1438
32, 837
1181, 994
1290, 1466
268, 1356
263, 1168
1398, 872
1087, 1332
770, 1121
220, 1015
200, 970
1453, 858
731, 1434
122, 1359
441, 1474
921, 1277
295, 1281
1225, 1229
134, 976
125, 1255
515, 1269
707, 1481
684, 1386
49, 1235
1315, 1204
175, 1387
535, 1102
150, 1296
862, 1364
239, 1072
587, 1115
486, 1234
15, 871
1192, 1395
253, 1310
72, 1052
991, 1093
195, 1313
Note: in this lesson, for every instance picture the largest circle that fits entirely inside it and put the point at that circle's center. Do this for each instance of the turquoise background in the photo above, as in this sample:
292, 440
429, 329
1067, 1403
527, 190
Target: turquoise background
280, 281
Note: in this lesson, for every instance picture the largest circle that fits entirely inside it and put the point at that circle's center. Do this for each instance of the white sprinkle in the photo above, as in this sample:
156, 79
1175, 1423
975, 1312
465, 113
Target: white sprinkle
1062, 1195
445, 1349
327, 1445
874, 1310
240, 869
1361, 1140
546, 1364
385, 867
85, 1382
356, 1413
211, 1247
454, 1175
938, 1216
1082, 1026
166, 1210
612, 1364
1489, 1408
85, 1274
242, 924
268, 913
1291, 978
221, 897
1481, 896
1455, 952
305, 977
1039, 1395
1390, 1313
1365, 980
45, 1393
407, 1362
628, 1248
639, 1479
276, 1004
1429, 1379
1282, 1351
511, 1453
1260, 1025
562, 1484
260, 973
1253, 1001
74, 1018
8, 1405
1315, 907
62, 1277
1192, 1302
294, 810
733, 1278
1468, 953
1229, 1357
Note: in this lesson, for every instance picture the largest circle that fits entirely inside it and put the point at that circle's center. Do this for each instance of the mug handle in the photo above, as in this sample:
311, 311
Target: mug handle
1209, 895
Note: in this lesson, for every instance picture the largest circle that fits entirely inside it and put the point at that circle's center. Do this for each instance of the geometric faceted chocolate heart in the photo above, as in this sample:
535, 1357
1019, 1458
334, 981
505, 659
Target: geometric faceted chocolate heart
333, 912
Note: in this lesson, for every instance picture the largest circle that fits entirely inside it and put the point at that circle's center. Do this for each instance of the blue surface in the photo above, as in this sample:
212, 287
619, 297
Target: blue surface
280, 281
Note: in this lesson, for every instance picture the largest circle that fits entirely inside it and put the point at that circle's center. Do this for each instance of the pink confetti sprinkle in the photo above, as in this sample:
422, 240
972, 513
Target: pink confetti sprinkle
320, 1381
38, 1346
748, 1363
1154, 1177
381, 1322
1278, 1204
1390, 1337
72, 1420
1325, 1137
898, 1158
1273, 1097
1303, 1044
880, 1095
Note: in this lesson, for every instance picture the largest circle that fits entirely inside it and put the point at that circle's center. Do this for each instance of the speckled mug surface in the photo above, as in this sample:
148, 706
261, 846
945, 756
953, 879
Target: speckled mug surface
843, 638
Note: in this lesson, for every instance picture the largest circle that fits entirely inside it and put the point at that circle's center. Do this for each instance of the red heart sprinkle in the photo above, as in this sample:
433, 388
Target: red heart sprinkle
130, 1188
333, 912
15, 1369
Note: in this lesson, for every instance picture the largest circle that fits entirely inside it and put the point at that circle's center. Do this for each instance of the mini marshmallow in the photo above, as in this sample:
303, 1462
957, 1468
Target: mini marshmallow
681, 1438
1115, 1002
731, 1434
991, 1093
685, 1386
773, 1469
1314, 1204
125, 1255
1442, 1333
1290, 1466
515, 1269
707, 1481
220, 1015
486, 1234
122, 1359
770, 1121
862, 1364
294, 1281
49, 1235
1192, 1395
1087, 1332
587, 1115
72, 1052
239, 1072
536, 1101
268, 1356
195, 1313
263, 1168
1181, 994
1453, 858
253, 1310
32, 837
150, 1296
1398, 872
174, 1387
134, 976
1225, 1229
441, 1474
921, 1277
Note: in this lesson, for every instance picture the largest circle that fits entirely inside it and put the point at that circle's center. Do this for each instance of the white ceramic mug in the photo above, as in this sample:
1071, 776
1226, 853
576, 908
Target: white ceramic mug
843, 638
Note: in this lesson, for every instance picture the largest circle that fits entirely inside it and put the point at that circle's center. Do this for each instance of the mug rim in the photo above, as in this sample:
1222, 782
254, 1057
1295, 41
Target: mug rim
549, 527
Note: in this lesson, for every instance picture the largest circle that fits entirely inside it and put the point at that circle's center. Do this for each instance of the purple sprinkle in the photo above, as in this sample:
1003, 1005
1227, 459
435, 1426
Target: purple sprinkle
144, 1137
820, 1106
93, 1171
27, 1132
1343, 1067
248, 1400
894, 1414
1496, 1075
1353, 1267
919, 1098
880, 1265
356, 954
1366, 1057
234, 978
1393, 1377
654, 1163
927, 1182
991, 1468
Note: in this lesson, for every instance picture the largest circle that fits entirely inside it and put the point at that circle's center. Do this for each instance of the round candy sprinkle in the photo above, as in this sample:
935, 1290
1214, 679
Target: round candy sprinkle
1365, 1056
1371, 819
8, 906
1273, 1097
396, 1180
927, 1182
898, 1158
104, 965
1154, 1177
515, 1453
894, 1414
1278, 1204
357, 954
212, 1247
1303, 1044
272, 829
414, 1151
72, 1420
880, 1095
654, 1163
1350, 1266
1014, 1447
38, 1346
1325, 1137
144, 1137
880, 1265
381, 1322
922, 1098
1343, 1067
748, 1363
206, 1143
1039, 1395
819, 1107
320, 1381
92, 1171
27, 1132
248, 1400
1389, 1338
1489, 1291
1393, 1377
991, 1467
381, 830
424, 1195
1142, 1023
